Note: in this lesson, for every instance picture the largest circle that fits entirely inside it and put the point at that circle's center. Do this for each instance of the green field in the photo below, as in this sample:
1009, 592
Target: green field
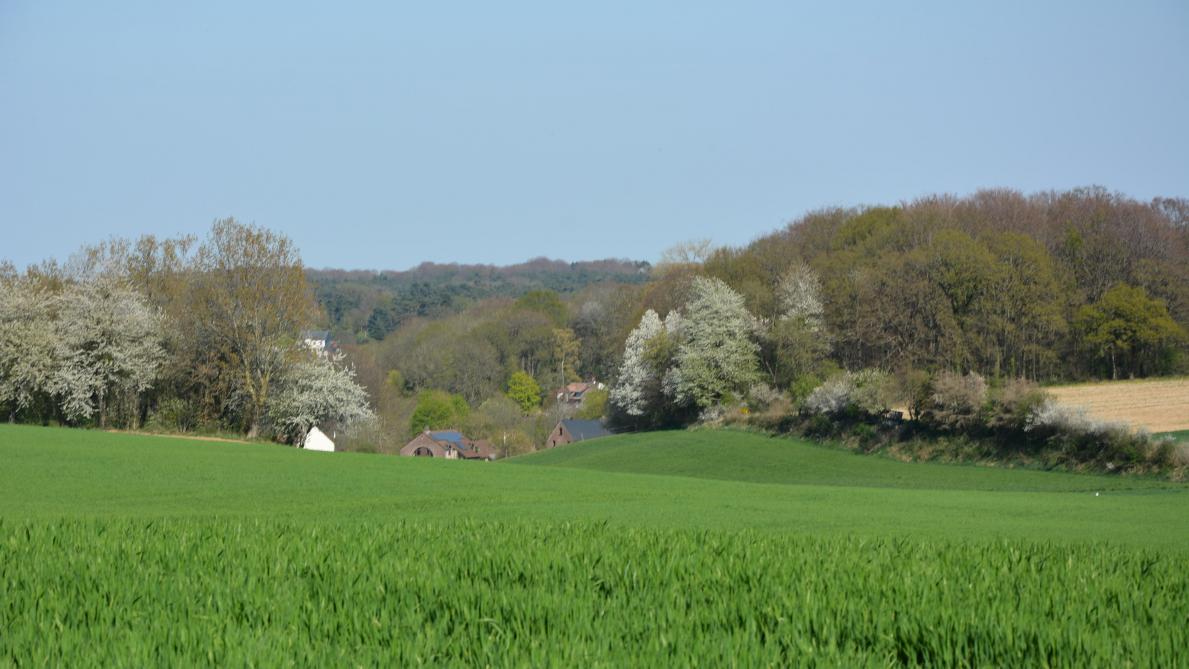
670, 548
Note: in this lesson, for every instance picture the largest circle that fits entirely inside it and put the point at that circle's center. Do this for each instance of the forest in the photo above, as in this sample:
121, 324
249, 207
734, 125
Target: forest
1047, 287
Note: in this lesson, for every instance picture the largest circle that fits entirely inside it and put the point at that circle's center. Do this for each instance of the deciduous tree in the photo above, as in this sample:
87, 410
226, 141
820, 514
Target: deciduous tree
317, 391
108, 344
717, 356
248, 303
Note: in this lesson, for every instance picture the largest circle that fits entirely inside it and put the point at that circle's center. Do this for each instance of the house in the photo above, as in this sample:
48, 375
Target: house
574, 393
316, 440
571, 430
449, 444
317, 341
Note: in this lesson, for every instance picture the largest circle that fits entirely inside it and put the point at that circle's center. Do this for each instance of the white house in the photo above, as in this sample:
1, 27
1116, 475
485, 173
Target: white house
317, 341
317, 440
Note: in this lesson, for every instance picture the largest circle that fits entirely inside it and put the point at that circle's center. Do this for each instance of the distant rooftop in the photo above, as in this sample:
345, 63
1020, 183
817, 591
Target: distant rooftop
586, 429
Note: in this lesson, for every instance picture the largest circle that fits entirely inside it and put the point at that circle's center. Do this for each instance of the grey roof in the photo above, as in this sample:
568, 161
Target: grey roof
586, 429
452, 436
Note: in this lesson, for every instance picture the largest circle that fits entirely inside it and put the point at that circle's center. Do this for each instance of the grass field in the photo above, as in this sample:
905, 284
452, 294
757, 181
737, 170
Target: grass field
1157, 405
670, 548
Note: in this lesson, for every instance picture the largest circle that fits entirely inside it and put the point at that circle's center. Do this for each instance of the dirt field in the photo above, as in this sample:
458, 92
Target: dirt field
1157, 405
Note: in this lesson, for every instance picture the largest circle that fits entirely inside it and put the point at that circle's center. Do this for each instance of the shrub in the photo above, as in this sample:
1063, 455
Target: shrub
831, 397
760, 396
802, 387
867, 435
594, 405
915, 388
867, 393
1013, 404
1073, 437
173, 415
874, 392
957, 402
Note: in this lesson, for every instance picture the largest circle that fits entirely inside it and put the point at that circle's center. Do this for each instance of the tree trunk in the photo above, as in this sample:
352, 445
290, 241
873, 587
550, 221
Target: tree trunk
1114, 367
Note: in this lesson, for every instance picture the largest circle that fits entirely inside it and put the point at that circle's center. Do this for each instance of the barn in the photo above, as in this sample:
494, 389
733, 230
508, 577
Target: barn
571, 430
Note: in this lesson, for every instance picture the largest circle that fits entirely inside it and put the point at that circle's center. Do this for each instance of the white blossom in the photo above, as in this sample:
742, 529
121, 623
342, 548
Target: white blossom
107, 340
318, 391
799, 293
635, 373
717, 355
27, 342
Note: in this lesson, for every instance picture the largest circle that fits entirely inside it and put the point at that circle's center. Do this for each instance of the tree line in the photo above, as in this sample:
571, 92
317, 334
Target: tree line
1046, 287
181, 334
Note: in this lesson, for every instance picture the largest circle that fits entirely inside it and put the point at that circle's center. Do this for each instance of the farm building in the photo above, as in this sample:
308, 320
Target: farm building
571, 430
316, 440
449, 444
574, 393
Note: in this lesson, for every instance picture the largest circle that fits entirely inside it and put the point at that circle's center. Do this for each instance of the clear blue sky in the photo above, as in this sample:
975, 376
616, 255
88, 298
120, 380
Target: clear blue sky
380, 135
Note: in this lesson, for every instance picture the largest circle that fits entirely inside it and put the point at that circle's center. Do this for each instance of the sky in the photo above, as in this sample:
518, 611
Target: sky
380, 135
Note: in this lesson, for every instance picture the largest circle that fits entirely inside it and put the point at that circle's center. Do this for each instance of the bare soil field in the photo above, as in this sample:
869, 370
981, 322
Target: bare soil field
1160, 405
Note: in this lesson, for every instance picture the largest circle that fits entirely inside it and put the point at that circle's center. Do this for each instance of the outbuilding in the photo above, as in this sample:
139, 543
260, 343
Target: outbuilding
571, 430
316, 440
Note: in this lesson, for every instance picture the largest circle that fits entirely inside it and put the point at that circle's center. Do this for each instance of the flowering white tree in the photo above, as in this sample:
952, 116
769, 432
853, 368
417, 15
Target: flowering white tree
636, 373
107, 344
797, 340
800, 296
318, 391
717, 355
27, 343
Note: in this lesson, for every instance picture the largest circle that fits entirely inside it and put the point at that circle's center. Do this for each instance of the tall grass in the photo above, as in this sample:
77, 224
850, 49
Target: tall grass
287, 593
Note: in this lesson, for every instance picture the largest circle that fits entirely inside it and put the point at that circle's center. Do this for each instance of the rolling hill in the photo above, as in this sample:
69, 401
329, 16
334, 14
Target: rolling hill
748, 457
684, 480
718, 548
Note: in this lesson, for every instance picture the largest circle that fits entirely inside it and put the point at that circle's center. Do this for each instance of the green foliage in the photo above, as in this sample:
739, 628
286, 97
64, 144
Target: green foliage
986, 283
437, 409
546, 302
915, 388
1129, 329
594, 405
380, 302
173, 414
802, 386
524, 391
396, 381
571, 595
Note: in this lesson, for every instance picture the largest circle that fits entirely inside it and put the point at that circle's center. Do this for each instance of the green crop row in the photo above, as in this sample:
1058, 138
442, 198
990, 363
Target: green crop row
277, 593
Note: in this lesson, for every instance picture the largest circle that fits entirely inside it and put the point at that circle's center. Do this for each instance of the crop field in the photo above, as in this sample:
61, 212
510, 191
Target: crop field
1155, 405
676, 548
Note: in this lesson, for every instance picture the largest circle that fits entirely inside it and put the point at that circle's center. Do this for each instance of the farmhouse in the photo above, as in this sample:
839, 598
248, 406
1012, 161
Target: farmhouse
574, 393
449, 444
571, 430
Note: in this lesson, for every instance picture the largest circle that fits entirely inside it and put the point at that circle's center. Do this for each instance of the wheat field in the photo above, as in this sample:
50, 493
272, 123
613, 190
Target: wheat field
1155, 405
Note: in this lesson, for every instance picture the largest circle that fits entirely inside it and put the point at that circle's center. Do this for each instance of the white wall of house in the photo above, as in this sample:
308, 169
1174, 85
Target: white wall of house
316, 440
